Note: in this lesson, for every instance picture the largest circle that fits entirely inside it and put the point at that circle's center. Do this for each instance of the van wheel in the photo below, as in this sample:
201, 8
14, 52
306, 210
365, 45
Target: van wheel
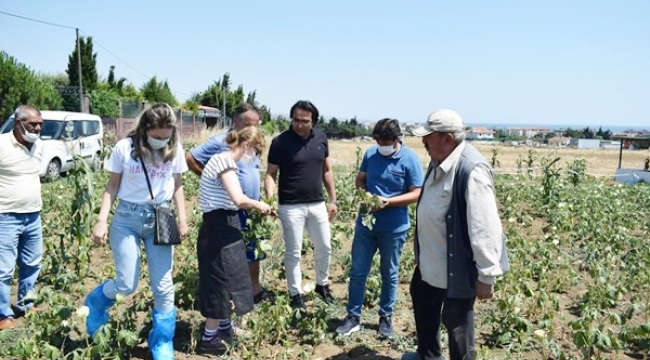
53, 170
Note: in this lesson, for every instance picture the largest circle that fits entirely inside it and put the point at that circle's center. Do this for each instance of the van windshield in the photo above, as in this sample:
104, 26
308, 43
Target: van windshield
51, 129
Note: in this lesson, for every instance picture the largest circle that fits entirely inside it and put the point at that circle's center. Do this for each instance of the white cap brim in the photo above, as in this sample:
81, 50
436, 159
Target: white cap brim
421, 131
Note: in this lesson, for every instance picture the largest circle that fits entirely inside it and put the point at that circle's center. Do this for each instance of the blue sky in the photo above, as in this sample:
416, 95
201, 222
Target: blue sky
512, 62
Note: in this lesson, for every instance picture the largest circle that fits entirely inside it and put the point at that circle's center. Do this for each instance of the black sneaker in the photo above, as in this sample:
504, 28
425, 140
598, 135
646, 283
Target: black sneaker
385, 327
219, 343
325, 293
349, 325
264, 295
298, 301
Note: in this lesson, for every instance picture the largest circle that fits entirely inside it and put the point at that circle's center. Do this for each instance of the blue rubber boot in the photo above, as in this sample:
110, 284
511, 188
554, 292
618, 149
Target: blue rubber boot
98, 305
161, 337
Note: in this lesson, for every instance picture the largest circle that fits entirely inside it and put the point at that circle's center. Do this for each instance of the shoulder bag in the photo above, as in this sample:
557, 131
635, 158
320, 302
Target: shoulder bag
166, 232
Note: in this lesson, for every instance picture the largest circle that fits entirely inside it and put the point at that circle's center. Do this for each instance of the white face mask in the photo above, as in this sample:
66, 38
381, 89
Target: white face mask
157, 143
386, 150
247, 158
27, 136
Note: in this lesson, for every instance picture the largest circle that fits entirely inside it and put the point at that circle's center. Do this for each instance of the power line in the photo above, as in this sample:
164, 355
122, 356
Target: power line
36, 20
94, 40
125, 63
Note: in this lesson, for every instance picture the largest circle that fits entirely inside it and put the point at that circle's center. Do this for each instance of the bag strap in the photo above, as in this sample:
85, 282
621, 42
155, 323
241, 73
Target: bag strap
144, 169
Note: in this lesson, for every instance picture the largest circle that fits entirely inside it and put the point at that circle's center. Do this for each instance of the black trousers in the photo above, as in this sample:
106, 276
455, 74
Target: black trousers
430, 306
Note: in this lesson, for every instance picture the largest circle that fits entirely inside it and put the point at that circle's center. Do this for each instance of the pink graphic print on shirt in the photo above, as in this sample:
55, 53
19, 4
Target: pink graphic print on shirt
155, 171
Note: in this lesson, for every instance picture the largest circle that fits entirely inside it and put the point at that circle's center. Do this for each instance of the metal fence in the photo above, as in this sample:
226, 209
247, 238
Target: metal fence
189, 123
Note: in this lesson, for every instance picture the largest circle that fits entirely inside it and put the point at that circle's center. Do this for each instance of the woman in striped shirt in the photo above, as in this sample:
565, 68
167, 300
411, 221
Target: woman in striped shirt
224, 280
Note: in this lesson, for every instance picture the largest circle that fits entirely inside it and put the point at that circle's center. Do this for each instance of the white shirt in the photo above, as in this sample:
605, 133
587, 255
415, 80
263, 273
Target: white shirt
484, 225
212, 193
133, 186
20, 184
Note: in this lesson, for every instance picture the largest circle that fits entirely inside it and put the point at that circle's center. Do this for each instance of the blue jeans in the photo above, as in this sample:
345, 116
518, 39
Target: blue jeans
21, 240
132, 225
364, 246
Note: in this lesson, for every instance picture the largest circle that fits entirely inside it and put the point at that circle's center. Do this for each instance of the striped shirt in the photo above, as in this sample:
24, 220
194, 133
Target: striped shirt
212, 193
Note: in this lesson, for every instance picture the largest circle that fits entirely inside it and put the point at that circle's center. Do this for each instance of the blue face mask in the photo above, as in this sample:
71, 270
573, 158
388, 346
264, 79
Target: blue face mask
157, 143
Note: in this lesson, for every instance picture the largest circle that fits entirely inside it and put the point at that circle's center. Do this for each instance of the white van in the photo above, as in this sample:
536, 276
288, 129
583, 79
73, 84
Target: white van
65, 134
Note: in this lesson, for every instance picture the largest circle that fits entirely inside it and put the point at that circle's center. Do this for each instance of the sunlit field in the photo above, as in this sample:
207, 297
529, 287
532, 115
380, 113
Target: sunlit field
578, 287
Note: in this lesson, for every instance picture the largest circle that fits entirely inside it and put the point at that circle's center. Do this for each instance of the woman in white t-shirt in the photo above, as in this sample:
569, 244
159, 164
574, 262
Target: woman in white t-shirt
224, 280
154, 139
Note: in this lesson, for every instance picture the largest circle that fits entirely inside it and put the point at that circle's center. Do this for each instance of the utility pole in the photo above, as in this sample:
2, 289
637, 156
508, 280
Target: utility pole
81, 93
223, 93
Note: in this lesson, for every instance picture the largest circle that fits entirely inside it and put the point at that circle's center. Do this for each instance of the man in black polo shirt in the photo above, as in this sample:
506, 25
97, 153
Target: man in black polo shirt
301, 155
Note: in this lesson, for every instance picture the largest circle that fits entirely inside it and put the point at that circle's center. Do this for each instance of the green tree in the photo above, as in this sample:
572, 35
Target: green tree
61, 83
215, 94
118, 85
89, 75
607, 135
58, 79
155, 91
265, 114
122, 87
191, 105
282, 123
105, 103
576, 134
19, 85
251, 98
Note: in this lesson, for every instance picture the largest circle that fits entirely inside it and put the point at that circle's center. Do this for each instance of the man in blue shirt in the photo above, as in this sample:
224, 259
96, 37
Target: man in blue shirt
249, 177
394, 173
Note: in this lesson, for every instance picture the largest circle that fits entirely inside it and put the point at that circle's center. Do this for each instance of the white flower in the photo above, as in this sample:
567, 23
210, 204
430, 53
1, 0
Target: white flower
118, 298
511, 220
31, 295
83, 311
539, 333
556, 242
309, 287
517, 310
64, 323
265, 246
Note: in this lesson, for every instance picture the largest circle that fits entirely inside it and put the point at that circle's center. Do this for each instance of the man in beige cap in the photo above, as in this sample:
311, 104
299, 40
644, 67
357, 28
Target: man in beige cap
459, 243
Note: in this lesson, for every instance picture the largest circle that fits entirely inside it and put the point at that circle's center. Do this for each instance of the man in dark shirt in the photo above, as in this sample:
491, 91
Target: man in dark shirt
301, 154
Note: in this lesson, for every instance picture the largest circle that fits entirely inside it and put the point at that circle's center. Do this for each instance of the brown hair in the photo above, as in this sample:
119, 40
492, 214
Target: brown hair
253, 134
158, 116
243, 108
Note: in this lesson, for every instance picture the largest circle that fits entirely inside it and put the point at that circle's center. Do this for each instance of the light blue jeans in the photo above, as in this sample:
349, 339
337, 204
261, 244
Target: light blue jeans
132, 225
364, 246
21, 241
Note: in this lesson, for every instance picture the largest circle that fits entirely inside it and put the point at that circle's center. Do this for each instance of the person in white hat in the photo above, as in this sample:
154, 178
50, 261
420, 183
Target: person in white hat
459, 243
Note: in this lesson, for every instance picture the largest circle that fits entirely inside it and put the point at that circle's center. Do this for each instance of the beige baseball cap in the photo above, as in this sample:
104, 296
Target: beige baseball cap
442, 120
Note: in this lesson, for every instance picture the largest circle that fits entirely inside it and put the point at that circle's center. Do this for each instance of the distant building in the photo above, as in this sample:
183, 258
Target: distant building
527, 132
480, 133
559, 141
211, 116
610, 144
407, 128
585, 143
